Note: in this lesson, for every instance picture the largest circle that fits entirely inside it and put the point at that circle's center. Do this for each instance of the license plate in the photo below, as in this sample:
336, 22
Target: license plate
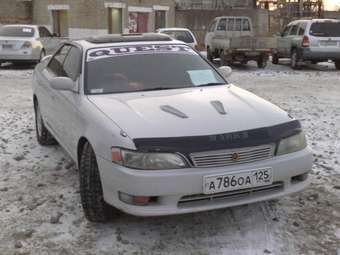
329, 43
7, 46
228, 182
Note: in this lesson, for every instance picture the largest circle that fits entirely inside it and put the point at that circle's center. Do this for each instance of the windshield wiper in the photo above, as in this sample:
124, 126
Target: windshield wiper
211, 84
156, 88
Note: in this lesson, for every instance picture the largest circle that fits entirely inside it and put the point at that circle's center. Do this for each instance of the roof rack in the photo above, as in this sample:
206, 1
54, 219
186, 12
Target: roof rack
117, 38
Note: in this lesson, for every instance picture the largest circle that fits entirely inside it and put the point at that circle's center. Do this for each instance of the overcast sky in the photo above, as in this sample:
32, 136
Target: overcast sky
332, 4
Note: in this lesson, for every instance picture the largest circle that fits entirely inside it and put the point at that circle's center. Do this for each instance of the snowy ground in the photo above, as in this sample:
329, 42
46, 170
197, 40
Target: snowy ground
40, 210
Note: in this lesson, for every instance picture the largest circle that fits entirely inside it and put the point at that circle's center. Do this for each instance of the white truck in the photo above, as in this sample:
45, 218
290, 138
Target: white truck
232, 39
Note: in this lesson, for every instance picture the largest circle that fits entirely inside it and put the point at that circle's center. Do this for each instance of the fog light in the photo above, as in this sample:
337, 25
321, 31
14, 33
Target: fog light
134, 200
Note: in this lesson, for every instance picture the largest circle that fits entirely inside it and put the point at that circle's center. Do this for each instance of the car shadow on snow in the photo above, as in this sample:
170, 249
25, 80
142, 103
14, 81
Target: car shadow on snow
17, 66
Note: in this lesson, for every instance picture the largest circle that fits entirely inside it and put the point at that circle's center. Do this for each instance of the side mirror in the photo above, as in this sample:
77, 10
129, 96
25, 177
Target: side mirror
46, 58
62, 83
225, 71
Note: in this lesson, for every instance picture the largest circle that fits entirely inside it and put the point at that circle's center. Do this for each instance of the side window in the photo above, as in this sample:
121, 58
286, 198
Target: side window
286, 31
43, 32
238, 25
222, 25
56, 64
72, 63
294, 30
230, 25
245, 25
302, 28
212, 26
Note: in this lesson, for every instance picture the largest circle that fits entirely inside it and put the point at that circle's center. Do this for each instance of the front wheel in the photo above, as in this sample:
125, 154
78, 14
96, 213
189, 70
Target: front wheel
295, 60
209, 55
337, 65
91, 191
44, 137
261, 62
275, 59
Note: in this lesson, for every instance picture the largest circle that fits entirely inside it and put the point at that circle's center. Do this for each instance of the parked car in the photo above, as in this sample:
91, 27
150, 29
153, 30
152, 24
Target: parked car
181, 34
25, 43
232, 39
313, 40
155, 129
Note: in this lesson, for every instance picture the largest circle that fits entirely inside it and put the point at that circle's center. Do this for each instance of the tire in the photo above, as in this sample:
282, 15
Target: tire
261, 62
209, 55
275, 59
295, 60
223, 60
337, 65
44, 137
91, 191
42, 55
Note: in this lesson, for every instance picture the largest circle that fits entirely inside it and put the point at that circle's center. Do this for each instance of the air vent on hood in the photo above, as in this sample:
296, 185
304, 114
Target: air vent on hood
173, 111
219, 107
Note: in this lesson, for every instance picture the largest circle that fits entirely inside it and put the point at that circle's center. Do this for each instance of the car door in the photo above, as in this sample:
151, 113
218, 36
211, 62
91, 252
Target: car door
67, 102
283, 42
293, 38
220, 33
54, 69
210, 34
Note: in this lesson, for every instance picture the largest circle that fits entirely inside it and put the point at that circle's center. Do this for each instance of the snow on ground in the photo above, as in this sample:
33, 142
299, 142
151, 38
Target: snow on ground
40, 211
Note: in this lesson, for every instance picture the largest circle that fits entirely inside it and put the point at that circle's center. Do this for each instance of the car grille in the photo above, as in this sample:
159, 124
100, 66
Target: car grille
191, 200
232, 157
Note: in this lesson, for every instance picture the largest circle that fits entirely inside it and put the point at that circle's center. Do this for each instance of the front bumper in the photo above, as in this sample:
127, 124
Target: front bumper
170, 186
321, 54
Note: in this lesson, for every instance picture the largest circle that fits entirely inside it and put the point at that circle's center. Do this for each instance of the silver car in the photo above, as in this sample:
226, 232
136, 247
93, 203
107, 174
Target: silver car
25, 43
315, 40
155, 129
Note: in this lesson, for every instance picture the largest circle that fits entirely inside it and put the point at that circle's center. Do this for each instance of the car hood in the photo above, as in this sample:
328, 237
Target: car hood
188, 112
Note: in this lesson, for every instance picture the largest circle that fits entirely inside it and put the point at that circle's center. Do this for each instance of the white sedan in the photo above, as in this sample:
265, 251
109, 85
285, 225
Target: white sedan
25, 43
181, 34
155, 129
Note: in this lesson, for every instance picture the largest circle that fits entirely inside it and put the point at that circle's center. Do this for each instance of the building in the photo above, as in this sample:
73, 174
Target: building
15, 11
82, 18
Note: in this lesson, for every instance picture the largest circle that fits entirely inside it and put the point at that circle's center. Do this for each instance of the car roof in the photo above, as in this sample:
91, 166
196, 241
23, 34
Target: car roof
313, 20
20, 25
174, 29
126, 39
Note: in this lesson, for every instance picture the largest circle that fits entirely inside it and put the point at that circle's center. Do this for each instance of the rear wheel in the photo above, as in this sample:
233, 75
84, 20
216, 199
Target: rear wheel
295, 61
44, 137
337, 65
275, 59
91, 191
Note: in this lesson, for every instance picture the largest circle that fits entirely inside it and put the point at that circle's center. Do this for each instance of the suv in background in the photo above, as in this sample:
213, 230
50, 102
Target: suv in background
313, 40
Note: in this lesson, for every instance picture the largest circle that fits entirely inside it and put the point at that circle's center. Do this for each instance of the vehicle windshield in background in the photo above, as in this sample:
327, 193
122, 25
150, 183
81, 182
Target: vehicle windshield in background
17, 31
325, 29
183, 36
146, 68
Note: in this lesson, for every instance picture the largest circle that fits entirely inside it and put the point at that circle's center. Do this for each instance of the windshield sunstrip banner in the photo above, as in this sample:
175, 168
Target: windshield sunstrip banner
99, 53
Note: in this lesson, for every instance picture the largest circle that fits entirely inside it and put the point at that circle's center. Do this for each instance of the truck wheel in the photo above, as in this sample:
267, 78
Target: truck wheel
275, 59
91, 191
337, 65
223, 60
295, 60
44, 137
209, 55
261, 62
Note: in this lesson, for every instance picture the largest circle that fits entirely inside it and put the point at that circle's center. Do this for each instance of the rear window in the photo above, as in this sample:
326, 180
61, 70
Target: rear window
325, 29
183, 36
13, 31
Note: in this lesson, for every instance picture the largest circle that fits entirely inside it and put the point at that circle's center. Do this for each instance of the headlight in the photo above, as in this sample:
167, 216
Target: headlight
147, 161
292, 144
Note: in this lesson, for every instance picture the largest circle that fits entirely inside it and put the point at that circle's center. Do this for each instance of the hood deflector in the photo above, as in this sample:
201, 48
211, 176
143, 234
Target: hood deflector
246, 138
173, 111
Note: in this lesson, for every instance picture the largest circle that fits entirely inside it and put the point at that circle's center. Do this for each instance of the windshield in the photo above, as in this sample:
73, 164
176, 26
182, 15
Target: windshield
325, 29
13, 31
146, 68
183, 36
